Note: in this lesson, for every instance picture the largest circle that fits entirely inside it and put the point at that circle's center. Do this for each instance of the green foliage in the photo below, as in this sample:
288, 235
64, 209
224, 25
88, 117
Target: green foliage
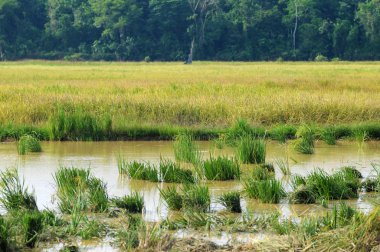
28, 143
196, 197
170, 172
172, 198
231, 201
262, 172
78, 187
329, 135
136, 170
267, 191
221, 168
13, 193
133, 203
305, 140
283, 165
32, 224
251, 151
321, 58
185, 149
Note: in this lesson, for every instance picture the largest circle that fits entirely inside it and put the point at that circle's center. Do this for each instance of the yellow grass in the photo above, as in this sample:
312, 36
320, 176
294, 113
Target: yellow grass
204, 94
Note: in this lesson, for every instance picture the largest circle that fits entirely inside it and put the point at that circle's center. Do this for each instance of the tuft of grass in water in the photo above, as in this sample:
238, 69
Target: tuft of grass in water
262, 172
231, 201
338, 186
91, 229
221, 168
360, 135
13, 193
329, 135
196, 197
283, 165
133, 203
339, 216
74, 184
27, 144
351, 172
136, 170
371, 184
282, 132
170, 172
185, 150
32, 225
251, 150
6, 243
302, 195
267, 191
305, 140
172, 198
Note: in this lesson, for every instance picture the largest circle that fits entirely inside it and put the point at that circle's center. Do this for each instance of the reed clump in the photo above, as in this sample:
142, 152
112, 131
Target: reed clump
231, 201
27, 144
78, 186
185, 150
172, 197
221, 168
251, 150
133, 203
305, 140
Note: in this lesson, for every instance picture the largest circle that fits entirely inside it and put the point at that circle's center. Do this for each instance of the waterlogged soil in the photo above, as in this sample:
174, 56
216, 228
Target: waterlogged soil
101, 158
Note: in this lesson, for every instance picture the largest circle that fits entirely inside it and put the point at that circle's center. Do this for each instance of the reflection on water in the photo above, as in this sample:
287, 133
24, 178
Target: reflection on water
101, 158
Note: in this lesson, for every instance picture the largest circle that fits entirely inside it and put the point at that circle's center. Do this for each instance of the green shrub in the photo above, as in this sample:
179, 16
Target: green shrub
321, 58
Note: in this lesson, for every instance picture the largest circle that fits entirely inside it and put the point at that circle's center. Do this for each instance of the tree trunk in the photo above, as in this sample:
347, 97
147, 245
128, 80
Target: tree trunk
295, 31
190, 58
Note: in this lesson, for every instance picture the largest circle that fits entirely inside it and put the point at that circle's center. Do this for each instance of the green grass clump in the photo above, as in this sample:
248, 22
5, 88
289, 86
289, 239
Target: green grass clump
27, 144
13, 193
172, 198
263, 172
79, 187
371, 184
133, 203
351, 172
302, 195
282, 133
305, 140
32, 225
196, 197
221, 168
329, 135
267, 191
185, 150
231, 201
136, 170
78, 126
170, 172
251, 150
341, 185
283, 165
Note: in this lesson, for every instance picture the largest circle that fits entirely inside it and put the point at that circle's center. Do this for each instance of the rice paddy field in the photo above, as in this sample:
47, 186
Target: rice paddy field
209, 157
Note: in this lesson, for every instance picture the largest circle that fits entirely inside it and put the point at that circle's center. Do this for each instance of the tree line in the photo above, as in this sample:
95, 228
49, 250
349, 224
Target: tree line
172, 30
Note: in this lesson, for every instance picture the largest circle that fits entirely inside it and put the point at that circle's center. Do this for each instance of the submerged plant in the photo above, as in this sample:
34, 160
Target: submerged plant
28, 143
221, 168
231, 201
305, 140
185, 149
133, 203
14, 194
251, 150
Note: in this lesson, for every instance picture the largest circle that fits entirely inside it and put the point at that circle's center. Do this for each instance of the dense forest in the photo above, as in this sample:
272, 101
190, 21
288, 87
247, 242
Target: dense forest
168, 30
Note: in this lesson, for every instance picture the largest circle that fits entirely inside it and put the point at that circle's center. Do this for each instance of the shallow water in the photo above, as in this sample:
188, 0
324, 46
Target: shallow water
101, 158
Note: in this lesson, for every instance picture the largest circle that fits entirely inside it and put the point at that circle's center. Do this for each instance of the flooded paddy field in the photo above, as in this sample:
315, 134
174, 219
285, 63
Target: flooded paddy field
102, 159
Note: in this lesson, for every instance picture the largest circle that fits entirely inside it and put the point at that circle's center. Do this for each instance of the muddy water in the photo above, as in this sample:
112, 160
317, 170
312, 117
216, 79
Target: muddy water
101, 158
